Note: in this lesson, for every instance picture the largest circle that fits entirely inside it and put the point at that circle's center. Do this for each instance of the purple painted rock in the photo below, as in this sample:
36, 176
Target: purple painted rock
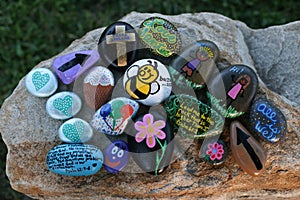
118, 44
70, 66
98, 86
247, 152
116, 156
267, 120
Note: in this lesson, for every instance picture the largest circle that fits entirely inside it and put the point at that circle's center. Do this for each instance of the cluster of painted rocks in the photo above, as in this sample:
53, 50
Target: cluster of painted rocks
161, 75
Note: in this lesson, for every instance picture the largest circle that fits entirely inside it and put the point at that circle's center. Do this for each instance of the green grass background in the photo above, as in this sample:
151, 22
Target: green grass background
34, 30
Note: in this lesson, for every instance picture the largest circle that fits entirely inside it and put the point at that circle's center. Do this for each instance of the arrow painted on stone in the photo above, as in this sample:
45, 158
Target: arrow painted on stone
242, 138
79, 59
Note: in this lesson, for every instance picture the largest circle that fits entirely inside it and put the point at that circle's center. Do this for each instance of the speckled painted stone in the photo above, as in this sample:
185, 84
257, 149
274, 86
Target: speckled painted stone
74, 159
267, 120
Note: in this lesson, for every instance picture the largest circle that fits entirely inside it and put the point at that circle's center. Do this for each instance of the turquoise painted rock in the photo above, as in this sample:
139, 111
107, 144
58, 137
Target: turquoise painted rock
41, 82
192, 118
63, 105
74, 159
75, 130
112, 117
267, 120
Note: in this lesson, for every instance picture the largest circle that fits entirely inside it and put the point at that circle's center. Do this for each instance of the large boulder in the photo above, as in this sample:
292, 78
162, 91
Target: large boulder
274, 53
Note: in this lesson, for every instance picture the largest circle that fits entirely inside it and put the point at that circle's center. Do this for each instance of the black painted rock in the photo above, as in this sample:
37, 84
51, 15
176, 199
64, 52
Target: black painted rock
192, 118
196, 62
150, 141
267, 120
118, 44
232, 91
214, 152
247, 152
161, 36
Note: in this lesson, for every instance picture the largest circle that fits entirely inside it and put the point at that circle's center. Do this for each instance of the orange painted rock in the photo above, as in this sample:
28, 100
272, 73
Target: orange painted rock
97, 87
247, 152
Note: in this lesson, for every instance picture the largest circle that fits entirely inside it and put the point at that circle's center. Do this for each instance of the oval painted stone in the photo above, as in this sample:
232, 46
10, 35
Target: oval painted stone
148, 82
63, 105
214, 152
70, 66
197, 61
41, 82
112, 117
267, 120
150, 141
192, 118
247, 152
75, 130
98, 86
240, 85
118, 45
116, 156
161, 36
75, 159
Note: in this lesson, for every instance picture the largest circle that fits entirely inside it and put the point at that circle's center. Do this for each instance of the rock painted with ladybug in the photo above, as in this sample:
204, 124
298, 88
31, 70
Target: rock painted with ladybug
116, 156
197, 62
232, 90
148, 82
113, 116
267, 120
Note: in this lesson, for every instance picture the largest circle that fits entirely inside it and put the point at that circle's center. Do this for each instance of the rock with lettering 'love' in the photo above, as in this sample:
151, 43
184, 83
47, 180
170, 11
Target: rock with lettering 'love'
247, 152
267, 120
74, 159
118, 45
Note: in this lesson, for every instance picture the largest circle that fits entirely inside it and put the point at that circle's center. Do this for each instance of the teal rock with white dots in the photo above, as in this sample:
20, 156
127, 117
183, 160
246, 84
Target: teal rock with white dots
41, 82
63, 105
75, 130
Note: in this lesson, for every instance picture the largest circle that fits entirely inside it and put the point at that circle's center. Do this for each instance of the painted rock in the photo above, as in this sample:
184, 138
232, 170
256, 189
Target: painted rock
63, 105
192, 118
75, 159
75, 130
116, 156
148, 81
118, 44
214, 152
70, 66
149, 140
247, 152
267, 120
98, 86
197, 61
232, 91
113, 116
41, 82
161, 36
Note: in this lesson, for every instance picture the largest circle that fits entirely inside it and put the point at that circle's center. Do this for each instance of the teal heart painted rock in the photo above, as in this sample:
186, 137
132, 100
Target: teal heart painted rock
41, 82
63, 105
75, 130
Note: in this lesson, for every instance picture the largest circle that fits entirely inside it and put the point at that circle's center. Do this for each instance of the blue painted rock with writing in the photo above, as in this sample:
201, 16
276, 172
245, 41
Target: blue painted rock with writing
192, 118
70, 66
267, 120
41, 82
150, 141
232, 90
75, 130
118, 45
112, 117
75, 159
116, 156
63, 105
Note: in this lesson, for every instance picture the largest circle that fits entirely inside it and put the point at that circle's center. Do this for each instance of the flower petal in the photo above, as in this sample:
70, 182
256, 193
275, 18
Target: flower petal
221, 151
140, 126
160, 134
215, 145
150, 141
210, 146
219, 156
213, 156
208, 152
140, 136
220, 146
148, 119
159, 124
